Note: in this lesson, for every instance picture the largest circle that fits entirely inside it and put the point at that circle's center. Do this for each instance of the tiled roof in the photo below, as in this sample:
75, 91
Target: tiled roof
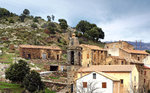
146, 67
135, 51
93, 47
108, 76
103, 74
41, 47
118, 57
108, 68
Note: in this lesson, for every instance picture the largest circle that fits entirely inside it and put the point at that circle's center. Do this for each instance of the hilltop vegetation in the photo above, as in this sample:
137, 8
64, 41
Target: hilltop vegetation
27, 29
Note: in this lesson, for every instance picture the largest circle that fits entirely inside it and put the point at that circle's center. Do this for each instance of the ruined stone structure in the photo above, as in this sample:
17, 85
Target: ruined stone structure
40, 52
116, 60
119, 44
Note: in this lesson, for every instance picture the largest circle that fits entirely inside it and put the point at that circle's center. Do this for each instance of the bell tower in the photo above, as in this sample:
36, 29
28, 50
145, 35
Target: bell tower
74, 51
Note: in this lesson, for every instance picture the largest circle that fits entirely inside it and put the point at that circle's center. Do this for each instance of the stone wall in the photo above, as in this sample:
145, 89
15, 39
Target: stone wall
36, 53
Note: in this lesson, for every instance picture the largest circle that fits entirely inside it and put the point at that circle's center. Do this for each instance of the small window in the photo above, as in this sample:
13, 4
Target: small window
84, 84
138, 58
121, 81
144, 80
87, 56
121, 62
104, 85
94, 75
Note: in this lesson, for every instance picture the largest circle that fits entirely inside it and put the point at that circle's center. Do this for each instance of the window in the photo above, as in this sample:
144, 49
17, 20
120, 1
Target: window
138, 58
144, 72
104, 85
87, 56
144, 80
121, 81
121, 62
84, 84
94, 75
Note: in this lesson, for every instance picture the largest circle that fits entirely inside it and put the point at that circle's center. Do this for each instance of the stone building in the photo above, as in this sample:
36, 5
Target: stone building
116, 60
146, 80
84, 55
119, 44
40, 52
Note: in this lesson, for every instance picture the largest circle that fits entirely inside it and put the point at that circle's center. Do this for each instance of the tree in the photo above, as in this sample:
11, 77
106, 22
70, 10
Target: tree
53, 17
148, 51
83, 26
26, 12
22, 17
91, 88
35, 19
17, 71
4, 12
32, 82
52, 28
63, 24
49, 18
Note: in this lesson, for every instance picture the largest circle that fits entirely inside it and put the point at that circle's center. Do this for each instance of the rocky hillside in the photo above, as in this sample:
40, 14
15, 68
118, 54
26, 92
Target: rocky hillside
27, 29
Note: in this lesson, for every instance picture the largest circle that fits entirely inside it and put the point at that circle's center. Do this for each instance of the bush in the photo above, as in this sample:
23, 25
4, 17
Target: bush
11, 21
34, 25
35, 19
4, 12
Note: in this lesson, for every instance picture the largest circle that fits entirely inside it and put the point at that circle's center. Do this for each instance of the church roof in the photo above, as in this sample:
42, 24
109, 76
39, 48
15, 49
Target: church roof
93, 47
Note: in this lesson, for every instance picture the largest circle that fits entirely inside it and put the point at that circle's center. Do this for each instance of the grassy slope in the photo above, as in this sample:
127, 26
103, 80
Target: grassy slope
15, 88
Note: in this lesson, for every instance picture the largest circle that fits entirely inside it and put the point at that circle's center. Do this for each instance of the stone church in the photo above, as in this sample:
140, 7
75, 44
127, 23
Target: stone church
84, 55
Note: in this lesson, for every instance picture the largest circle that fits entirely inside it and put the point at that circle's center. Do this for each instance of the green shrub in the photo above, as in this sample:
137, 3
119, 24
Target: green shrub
11, 21
34, 25
35, 19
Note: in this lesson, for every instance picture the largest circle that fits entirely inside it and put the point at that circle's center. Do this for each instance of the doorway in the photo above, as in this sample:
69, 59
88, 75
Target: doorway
53, 68
57, 57
29, 56
71, 88
72, 57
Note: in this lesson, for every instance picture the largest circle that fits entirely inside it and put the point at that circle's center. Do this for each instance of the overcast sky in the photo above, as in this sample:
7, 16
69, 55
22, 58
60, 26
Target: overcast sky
119, 19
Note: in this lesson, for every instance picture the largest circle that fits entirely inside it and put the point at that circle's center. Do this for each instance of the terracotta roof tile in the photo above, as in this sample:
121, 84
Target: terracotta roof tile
108, 68
42, 47
103, 74
118, 57
92, 47
146, 67
135, 51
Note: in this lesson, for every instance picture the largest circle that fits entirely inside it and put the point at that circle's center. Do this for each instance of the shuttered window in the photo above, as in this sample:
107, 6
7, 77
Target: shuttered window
104, 85
84, 84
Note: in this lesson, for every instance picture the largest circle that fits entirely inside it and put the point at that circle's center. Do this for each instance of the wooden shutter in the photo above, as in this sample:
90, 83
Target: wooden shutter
104, 85
84, 84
